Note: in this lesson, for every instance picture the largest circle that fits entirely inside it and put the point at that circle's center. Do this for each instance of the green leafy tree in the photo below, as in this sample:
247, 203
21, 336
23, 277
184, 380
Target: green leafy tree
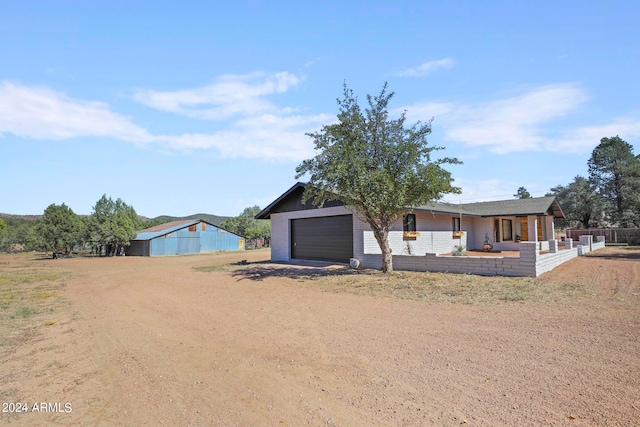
21, 234
246, 225
375, 165
31, 239
580, 203
4, 234
113, 224
615, 173
522, 193
60, 228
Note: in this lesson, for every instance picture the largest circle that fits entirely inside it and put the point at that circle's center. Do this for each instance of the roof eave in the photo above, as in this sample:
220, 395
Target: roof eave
266, 212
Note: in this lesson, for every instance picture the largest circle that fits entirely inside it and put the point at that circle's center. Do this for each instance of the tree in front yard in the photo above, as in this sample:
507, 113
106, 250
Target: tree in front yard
375, 165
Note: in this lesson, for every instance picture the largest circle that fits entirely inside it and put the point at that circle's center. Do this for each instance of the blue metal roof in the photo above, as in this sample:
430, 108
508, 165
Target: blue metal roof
161, 230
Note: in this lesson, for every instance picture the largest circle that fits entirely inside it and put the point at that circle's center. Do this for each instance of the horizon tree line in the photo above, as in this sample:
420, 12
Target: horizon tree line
106, 231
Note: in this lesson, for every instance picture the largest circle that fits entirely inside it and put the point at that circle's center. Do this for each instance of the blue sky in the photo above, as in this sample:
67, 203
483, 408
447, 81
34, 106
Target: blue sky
202, 107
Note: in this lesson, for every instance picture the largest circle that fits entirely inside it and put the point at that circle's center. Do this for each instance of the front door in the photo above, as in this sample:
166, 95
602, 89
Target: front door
524, 229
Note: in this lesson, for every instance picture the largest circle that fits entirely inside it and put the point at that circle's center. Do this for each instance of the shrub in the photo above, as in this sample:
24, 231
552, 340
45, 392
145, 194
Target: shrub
459, 250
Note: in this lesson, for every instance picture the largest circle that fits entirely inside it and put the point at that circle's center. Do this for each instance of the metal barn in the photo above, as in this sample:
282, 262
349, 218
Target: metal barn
184, 238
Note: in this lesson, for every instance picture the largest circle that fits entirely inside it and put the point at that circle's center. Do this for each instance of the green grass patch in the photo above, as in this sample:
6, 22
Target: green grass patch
27, 292
7, 298
40, 294
210, 268
24, 312
229, 267
445, 287
423, 286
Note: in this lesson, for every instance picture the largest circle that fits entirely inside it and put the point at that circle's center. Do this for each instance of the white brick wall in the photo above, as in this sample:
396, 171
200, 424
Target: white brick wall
530, 263
437, 242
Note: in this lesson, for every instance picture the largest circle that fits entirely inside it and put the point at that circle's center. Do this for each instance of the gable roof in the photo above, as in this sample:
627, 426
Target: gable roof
170, 227
291, 200
266, 212
511, 207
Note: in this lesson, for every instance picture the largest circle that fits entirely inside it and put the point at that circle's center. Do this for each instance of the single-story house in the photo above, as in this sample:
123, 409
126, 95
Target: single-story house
334, 232
184, 237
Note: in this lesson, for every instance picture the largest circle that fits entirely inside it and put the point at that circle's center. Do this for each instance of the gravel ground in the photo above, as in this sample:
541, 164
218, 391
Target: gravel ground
198, 341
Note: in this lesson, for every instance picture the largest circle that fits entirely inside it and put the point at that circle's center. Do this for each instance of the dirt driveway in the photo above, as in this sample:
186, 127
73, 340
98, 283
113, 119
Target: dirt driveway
197, 341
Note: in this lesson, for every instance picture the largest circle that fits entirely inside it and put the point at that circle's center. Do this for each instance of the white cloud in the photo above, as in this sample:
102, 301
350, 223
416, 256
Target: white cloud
311, 62
41, 113
229, 96
425, 111
426, 68
253, 127
266, 136
584, 139
523, 122
478, 190
517, 123
277, 134
489, 190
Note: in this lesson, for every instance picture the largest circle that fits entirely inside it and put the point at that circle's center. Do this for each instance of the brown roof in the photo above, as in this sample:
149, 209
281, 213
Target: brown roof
167, 225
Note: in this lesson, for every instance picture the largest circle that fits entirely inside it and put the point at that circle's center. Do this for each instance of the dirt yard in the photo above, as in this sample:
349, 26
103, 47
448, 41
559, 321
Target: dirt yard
201, 341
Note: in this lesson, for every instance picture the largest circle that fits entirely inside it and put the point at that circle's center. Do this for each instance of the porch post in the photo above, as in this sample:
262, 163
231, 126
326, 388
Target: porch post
532, 220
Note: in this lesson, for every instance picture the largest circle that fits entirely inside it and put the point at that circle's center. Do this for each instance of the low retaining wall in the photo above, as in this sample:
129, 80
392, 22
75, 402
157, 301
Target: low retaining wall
530, 263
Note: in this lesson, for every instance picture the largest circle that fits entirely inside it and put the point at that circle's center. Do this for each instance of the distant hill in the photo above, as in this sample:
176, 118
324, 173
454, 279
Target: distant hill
213, 219
21, 217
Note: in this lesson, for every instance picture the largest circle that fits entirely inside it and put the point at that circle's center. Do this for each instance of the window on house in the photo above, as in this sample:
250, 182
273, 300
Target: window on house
202, 226
192, 227
456, 223
496, 230
409, 222
507, 229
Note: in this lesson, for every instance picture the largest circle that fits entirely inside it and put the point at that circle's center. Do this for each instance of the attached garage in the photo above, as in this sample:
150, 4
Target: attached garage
327, 238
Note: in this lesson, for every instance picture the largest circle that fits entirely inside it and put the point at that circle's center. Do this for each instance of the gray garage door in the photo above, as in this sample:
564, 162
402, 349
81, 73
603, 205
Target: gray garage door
328, 238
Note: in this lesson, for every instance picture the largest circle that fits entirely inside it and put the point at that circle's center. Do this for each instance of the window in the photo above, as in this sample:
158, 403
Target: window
496, 230
507, 229
409, 222
192, 227
455, 223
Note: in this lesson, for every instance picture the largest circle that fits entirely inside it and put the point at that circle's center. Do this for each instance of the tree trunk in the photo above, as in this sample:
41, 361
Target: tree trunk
387, 258
382, 236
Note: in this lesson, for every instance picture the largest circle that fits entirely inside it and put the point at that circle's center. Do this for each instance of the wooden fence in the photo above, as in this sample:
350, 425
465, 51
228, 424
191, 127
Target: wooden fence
611, 235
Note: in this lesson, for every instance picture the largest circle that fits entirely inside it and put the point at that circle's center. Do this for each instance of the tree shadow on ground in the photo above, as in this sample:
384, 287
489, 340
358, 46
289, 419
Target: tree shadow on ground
631, 253
261, 271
